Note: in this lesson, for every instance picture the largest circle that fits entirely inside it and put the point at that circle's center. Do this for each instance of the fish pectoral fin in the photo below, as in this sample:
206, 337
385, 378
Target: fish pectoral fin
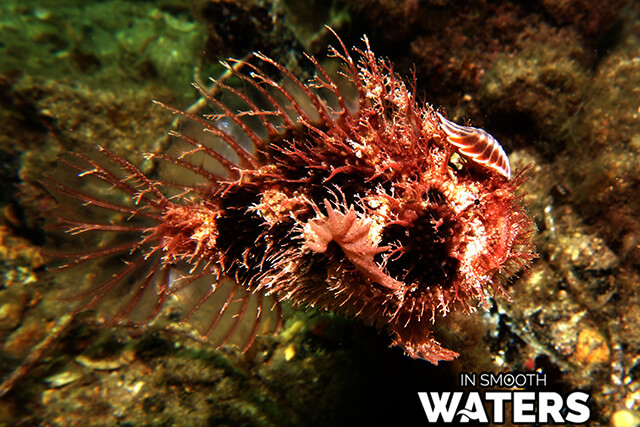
225, 313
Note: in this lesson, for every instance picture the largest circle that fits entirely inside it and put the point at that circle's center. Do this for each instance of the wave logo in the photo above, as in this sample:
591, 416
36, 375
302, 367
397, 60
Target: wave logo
527, 407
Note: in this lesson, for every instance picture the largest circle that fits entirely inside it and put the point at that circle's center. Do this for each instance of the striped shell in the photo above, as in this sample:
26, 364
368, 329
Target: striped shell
477, 145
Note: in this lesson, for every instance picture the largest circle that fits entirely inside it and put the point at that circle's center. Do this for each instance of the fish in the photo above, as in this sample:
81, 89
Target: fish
338, 193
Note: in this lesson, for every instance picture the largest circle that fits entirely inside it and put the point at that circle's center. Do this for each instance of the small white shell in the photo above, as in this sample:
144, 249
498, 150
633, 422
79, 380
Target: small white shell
477, 145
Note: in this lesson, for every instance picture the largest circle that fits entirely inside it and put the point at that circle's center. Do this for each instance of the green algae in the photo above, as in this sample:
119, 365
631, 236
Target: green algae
108, 43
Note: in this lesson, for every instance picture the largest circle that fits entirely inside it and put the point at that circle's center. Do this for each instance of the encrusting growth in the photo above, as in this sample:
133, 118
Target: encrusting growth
343, 193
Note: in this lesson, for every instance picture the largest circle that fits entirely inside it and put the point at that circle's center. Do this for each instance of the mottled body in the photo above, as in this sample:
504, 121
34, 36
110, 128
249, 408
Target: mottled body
339, 194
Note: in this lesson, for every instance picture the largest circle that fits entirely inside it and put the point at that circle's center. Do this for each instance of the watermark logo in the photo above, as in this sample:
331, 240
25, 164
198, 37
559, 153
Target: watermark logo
490, 406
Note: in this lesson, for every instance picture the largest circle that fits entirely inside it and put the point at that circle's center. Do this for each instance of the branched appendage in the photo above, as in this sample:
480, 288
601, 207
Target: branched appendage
355, 236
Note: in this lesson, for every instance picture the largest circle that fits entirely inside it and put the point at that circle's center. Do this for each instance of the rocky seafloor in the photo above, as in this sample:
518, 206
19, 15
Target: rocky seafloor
557, 82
